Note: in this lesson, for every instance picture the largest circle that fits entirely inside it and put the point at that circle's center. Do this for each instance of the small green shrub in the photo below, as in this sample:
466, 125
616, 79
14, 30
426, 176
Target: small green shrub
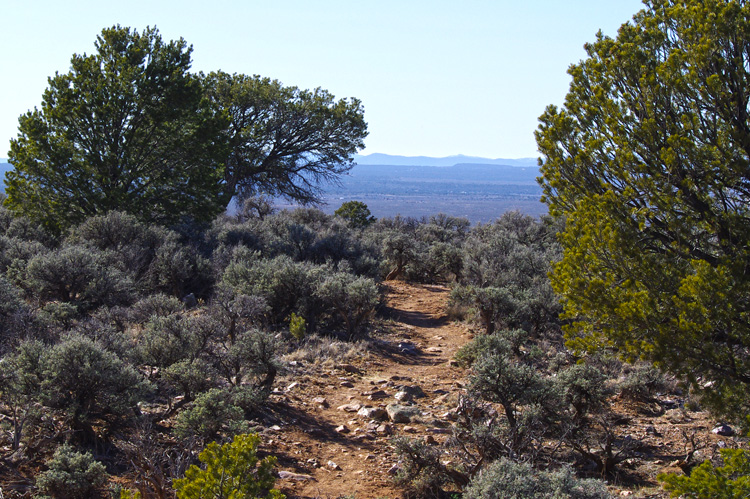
707, 482
232, 470
72, 475
297, 326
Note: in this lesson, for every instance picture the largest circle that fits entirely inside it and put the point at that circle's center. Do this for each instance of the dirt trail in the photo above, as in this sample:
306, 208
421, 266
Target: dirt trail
313, 434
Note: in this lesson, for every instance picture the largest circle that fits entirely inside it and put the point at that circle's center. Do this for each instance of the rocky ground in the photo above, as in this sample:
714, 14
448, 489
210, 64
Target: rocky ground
332, 421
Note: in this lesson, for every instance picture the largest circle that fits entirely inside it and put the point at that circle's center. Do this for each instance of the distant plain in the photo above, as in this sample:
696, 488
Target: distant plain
480, 192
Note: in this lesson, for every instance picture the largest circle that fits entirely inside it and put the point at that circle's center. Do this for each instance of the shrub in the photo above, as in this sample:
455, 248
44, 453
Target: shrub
85, 380
353, 298
297, 326
178, 269
507, 479
72, 475
641, 382
420, 470
77, 275
582, 388
132, 243
707, 482
211, 412
286, 286
232, 470
166, 340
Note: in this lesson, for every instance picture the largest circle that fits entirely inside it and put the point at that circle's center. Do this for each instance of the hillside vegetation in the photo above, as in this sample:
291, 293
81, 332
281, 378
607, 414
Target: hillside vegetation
127, 348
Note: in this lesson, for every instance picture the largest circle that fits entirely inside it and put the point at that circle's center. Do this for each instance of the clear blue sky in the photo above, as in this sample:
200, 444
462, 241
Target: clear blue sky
437, 78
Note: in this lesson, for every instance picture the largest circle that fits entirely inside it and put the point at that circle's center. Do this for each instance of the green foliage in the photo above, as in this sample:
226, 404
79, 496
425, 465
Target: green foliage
211, 412
77, 275
287, 286
353, 298
732, 480
511, 480
127, 128
297, 326
232, 471
647, 162
71, 475
86, 381
356, 213
504, 273
283, 140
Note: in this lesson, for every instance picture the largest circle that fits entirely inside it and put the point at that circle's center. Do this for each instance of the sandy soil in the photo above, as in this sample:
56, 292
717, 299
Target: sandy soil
341, 453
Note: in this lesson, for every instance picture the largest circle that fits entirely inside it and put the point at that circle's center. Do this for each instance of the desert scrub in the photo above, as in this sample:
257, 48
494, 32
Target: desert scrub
71, 475
511, 480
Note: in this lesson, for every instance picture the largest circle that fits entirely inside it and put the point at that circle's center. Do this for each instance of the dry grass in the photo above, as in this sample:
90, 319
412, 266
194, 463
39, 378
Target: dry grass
328, 352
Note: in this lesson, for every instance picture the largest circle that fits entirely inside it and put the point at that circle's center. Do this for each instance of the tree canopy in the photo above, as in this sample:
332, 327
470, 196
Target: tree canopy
649, 162
130, 128
283, 140
127, 128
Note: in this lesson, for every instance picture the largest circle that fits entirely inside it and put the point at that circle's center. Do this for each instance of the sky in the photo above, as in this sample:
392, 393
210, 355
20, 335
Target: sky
436, 77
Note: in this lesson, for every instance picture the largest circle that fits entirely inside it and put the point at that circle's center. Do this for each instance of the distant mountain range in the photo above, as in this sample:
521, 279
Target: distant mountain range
391, 160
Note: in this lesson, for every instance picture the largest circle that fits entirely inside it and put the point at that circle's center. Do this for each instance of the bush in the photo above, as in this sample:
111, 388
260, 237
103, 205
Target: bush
420, 470
286, 286
641, 382
85, 380
211, 412
707, 482
78, 275
510, 480
232, 470
72, 475
353, 298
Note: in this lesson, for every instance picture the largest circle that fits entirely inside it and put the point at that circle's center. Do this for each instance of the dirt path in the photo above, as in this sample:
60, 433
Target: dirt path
325, 448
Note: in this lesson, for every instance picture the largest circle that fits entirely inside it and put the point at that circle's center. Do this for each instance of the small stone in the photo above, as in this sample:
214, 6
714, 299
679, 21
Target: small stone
346, 384
384, 429
434, 350
349, 368
342, 429
275, 428
400, 413
394, 469
438, 431
413, 390
334, 466
723, 430
349, 407
409, 429
320, 401
377, 395
451, 415
369, 457
408, 348
402, 396
372, 413
292, 386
